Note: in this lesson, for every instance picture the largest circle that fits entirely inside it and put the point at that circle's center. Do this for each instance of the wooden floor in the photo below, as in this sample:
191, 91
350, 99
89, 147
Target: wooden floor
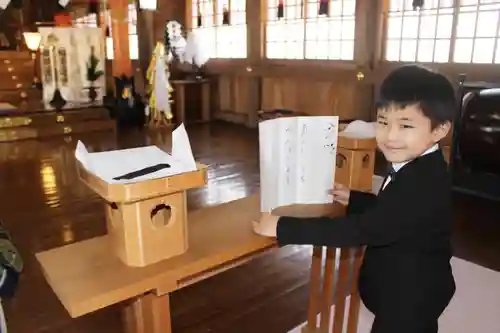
45, 206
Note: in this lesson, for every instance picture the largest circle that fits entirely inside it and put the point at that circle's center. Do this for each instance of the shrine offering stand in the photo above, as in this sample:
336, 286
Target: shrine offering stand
355, 166
180, 87
153, 247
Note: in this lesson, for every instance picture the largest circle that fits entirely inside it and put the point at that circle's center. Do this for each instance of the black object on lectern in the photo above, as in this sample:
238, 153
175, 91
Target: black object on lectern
475, 150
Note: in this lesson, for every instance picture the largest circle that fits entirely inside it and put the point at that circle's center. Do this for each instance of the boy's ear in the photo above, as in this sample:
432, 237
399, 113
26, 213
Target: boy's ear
441, 131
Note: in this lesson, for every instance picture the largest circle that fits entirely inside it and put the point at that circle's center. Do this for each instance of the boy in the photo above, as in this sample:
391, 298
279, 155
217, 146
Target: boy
406, 279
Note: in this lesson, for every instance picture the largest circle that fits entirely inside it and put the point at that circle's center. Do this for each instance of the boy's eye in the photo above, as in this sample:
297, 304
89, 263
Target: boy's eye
406, 126
382, 122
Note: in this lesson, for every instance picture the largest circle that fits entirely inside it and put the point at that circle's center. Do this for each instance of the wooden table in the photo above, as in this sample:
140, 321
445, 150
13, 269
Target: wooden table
87, 276
179, 87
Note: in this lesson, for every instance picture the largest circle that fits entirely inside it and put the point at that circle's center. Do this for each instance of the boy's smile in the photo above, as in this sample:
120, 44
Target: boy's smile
406, 133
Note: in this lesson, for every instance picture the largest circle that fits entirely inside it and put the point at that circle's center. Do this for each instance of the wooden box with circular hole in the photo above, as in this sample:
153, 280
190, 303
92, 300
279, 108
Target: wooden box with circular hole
355, 162
146, 221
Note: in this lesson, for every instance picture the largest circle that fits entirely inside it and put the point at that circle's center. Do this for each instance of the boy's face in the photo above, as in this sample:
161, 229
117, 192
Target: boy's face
404, 134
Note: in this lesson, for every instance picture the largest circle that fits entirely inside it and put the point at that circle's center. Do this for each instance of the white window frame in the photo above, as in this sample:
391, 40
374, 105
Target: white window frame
221, 41
462, 39
299, 34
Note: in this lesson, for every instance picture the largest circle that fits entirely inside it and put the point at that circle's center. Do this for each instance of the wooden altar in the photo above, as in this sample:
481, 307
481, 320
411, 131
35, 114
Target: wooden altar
32, 120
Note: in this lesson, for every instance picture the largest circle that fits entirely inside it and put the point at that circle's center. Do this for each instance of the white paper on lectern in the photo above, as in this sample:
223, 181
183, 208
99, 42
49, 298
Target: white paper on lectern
297, 160
181, 148
110, 164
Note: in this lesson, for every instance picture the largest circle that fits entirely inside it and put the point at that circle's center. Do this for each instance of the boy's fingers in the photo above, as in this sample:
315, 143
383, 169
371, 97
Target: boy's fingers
256, 226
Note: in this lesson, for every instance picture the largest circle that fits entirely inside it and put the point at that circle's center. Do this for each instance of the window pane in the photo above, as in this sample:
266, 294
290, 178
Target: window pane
311, 49
347, 50
312, 32
322, 50
442, 50
396, 5
238, 18
486, 21
335, 49
134, 47
295, 31
425, 50
109, 48
463, 50
392, 50
497, 52
349, 7
408, 50
336, 7
275, 50
428, 26
336, 29
468, 2
322, 29
483, 50
445, 25
466, 23
238, 5
348, 29
410, 26
394, 27
293, 12
274, 32
272, 13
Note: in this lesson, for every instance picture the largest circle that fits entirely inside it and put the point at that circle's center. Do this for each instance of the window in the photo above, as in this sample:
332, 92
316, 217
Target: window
310, 29
91, 21
428, 34
223, 26
422, 35
478, 32
132, 34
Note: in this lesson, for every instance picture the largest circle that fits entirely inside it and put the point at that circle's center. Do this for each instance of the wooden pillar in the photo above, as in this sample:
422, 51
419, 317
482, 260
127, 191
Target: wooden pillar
145, 31
121, 63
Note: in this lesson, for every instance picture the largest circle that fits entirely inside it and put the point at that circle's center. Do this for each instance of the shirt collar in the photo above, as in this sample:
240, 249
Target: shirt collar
397, 166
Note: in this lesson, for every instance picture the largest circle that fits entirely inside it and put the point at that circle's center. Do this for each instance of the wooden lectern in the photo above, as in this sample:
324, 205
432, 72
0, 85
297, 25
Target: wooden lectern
355, 166
147, 221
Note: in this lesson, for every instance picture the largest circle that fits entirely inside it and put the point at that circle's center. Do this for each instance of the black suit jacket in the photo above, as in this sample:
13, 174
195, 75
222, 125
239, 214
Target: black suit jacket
406, 229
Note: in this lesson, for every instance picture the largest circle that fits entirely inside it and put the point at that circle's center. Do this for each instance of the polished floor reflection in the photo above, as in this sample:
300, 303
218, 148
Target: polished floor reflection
44, 206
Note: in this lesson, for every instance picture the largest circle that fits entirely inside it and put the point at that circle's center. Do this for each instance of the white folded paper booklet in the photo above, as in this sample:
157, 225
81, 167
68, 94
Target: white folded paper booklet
297, 160
111, 164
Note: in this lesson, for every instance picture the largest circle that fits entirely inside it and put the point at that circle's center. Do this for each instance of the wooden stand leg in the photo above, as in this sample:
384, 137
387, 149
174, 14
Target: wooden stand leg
180, 103
148, 314
205, 100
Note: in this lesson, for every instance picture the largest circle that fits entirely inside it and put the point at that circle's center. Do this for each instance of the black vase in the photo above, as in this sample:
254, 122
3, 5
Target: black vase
92, 94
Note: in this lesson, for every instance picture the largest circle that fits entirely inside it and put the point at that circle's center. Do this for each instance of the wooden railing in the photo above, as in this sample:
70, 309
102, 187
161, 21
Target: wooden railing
340, 266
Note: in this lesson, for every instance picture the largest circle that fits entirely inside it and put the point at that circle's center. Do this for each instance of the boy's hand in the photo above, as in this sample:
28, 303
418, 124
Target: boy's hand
340, 194
267, 225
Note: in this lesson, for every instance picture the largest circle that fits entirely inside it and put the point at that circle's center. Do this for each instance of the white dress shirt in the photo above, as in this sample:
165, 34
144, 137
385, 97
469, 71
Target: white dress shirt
398, 166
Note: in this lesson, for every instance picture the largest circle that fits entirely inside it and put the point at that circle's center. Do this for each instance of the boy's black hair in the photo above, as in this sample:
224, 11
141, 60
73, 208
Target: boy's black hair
410, 85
